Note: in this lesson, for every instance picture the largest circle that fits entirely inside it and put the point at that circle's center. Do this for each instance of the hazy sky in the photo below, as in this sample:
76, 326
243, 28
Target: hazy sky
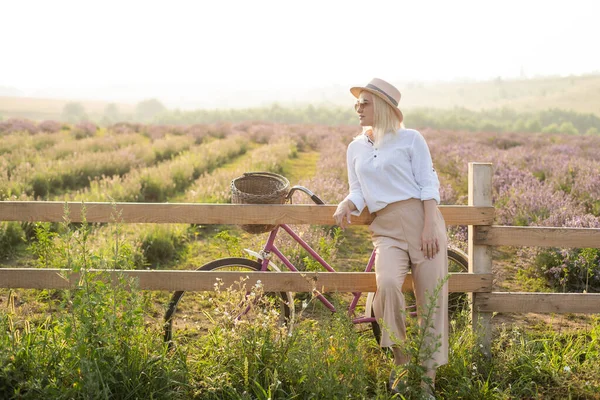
250, 44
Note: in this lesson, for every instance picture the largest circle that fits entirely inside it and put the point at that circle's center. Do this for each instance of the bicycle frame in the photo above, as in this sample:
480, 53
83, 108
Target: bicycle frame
270, 247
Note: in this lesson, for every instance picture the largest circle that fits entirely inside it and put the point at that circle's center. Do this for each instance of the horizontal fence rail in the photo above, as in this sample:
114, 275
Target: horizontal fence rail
518, 302
54, 211
35, 278
537, 236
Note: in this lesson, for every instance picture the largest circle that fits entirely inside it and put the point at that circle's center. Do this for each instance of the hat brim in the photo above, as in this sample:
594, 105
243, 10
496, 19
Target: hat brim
356, 93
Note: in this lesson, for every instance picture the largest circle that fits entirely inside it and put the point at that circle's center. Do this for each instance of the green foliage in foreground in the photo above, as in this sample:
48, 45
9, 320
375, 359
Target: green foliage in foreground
97, 346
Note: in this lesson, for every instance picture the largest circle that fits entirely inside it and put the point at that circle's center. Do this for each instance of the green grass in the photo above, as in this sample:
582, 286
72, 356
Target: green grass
355, 249
303, 166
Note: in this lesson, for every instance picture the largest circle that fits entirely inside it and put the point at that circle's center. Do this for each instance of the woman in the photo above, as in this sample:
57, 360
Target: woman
390, 171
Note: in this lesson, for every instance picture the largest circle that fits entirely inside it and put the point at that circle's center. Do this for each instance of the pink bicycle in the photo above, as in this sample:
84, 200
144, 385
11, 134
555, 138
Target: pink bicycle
263, 261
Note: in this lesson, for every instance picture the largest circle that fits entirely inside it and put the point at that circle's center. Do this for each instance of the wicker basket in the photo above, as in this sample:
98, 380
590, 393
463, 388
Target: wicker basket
259, 188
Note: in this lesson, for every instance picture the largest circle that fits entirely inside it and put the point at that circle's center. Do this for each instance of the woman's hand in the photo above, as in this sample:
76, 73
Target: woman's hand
429, 239
343, 212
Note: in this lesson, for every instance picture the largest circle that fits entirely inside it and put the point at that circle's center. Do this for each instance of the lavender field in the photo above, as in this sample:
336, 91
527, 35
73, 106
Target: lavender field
539, 180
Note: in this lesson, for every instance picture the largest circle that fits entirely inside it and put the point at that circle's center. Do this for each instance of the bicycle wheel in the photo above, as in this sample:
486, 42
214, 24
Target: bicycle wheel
457, 302
457, 262
245, 304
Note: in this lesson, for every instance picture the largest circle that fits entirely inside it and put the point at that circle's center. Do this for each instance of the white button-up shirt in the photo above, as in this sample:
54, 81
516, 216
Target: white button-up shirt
399, 168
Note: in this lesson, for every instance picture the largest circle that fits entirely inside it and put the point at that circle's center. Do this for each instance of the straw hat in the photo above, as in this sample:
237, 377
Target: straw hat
384, 90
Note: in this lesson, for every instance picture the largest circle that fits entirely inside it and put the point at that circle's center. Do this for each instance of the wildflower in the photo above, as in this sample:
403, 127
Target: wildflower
567, 368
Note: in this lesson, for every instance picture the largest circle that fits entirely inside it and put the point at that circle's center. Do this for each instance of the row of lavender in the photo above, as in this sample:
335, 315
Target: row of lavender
48, 164
195, 172
124, 162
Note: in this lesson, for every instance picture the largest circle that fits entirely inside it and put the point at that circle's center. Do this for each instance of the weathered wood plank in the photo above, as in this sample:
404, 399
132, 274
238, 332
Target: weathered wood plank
34, 278
480, 256
537, 236
210, 213
513, 302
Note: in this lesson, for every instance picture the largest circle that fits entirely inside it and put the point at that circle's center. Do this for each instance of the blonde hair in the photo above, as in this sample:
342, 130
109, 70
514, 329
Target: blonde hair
384, 119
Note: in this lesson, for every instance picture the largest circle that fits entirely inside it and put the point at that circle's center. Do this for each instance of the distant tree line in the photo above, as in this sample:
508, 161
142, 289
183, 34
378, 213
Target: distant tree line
145, 111
496, 120
501, 120
326, 115
506, 120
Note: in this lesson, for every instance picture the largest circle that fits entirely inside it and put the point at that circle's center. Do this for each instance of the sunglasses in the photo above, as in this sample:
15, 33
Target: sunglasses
358, 105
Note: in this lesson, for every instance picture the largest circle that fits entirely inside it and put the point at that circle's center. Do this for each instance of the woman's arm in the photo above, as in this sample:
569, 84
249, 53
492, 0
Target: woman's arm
423, 171
355, 196
427, 180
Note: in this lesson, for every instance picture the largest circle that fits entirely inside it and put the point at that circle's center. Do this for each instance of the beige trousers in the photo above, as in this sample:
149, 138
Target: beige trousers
396, 234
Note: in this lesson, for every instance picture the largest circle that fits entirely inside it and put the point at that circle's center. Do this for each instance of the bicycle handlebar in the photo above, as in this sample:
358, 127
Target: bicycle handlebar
312, 196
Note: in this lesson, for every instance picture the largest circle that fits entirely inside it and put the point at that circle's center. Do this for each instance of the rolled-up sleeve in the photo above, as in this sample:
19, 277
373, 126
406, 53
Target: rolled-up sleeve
356, 194
423, 171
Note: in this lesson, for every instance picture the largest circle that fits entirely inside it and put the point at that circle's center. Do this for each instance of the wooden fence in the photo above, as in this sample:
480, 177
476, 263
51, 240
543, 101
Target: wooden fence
478, 215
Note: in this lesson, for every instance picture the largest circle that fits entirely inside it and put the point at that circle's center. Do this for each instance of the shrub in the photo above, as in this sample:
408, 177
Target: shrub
50, 126
15, 125
73, 112
126, 127
152, 190
571, 270
552, 128
592, 131
161, 245
533, 125
84, 129
43, 184
11, 236
568, 128
148, 109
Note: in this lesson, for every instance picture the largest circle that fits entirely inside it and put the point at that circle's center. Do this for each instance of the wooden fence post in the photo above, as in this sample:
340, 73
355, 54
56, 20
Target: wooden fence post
480, 256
